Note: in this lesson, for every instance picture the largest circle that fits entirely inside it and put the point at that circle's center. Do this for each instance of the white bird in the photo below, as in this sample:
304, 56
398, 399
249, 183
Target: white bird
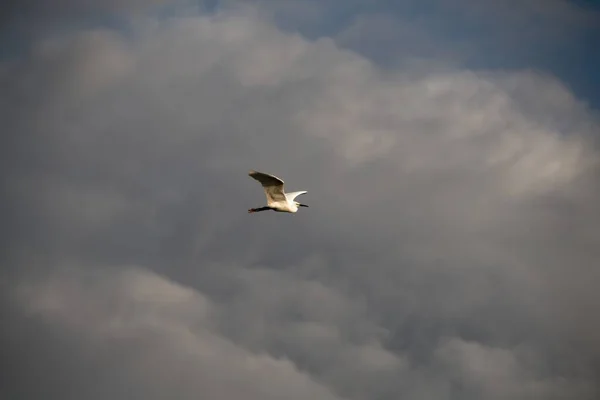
277, 199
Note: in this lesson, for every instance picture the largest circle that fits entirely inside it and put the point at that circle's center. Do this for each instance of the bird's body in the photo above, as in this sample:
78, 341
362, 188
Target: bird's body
277, 199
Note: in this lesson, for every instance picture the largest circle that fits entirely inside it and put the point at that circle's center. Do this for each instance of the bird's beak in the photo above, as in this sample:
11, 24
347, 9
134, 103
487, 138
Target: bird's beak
302, 205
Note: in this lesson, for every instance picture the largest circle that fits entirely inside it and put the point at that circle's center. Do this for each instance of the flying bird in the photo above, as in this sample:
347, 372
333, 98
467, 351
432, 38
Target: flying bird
277, 199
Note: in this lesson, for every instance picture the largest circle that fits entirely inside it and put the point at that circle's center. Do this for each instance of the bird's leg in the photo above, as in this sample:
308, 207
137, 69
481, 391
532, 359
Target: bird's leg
253, 210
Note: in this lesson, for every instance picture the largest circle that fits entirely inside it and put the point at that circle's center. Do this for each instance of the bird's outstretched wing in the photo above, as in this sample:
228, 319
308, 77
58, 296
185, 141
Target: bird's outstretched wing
292, 195
273, 186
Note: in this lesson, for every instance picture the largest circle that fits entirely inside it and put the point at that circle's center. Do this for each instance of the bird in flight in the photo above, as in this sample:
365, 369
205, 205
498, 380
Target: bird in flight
277, 199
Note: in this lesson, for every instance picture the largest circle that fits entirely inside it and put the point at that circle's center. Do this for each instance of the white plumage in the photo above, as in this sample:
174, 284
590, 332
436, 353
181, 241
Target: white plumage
277, 199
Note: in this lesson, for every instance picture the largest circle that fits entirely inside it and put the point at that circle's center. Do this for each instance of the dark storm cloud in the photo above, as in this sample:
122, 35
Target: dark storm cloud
449, 251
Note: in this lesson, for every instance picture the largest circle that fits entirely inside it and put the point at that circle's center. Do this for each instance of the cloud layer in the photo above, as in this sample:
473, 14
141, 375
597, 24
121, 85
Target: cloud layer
449, 251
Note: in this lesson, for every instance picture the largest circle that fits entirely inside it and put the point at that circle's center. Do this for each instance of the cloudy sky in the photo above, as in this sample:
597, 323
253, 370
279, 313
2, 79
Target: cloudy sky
450, 149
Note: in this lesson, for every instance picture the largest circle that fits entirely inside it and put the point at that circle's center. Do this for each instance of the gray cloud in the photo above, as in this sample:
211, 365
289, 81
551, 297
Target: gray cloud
23, 22
165, 329
449, 251
61, 8
552, 35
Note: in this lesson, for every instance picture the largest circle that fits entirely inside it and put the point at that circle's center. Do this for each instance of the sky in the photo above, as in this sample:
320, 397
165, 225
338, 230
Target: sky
450, 150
